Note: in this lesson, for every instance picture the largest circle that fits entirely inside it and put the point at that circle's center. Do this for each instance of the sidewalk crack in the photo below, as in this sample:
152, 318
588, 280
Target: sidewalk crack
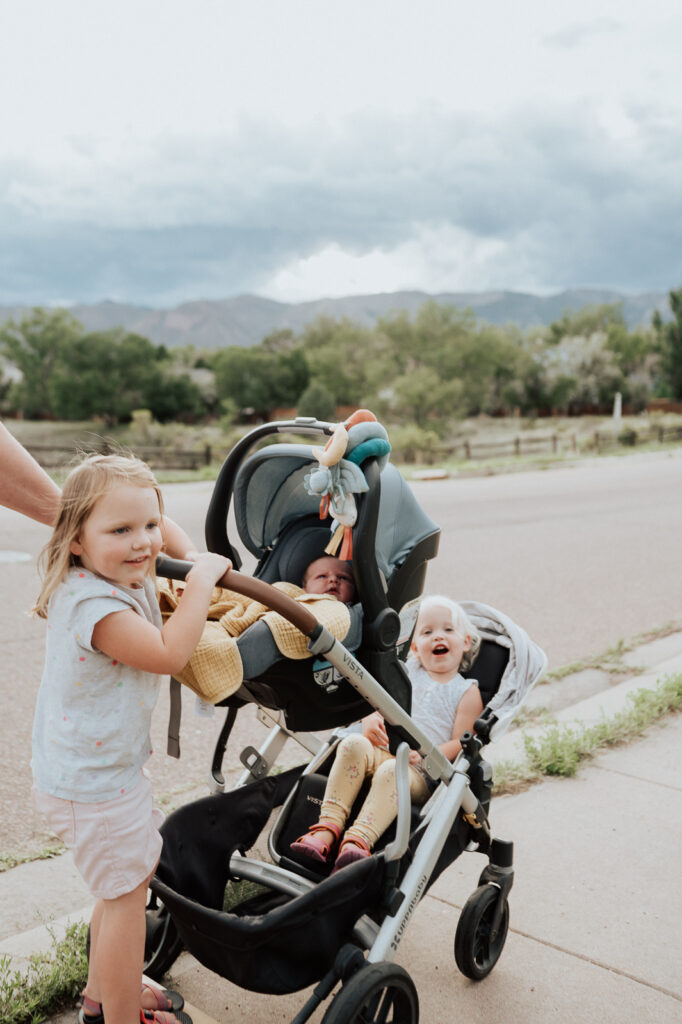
633, 775
578, 956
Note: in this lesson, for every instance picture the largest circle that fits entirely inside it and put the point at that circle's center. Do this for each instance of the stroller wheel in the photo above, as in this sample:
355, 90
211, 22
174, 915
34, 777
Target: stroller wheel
376, 994
162, 944
476, 949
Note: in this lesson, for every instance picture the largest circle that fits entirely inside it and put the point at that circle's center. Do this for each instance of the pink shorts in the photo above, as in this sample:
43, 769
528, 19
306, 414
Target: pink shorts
115, 844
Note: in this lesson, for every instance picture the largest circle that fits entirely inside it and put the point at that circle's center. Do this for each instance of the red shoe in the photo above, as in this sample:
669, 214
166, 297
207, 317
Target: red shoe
352, 848
315, 847
163, 1017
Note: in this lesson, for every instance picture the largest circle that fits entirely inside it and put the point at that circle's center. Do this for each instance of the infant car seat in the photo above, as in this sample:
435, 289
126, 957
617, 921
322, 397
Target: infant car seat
279, 523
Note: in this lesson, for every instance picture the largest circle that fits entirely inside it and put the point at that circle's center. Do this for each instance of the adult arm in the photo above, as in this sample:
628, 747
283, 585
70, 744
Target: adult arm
24, 485
127, 637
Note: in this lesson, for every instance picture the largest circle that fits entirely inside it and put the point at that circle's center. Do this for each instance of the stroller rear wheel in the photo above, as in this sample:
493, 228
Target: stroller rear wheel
477, 950
376, 994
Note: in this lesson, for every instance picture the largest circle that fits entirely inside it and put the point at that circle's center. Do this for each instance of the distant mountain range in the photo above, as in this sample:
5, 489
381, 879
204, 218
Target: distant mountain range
246, 319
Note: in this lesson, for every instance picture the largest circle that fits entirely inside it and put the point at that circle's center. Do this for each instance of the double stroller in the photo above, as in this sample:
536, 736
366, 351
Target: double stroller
281, 924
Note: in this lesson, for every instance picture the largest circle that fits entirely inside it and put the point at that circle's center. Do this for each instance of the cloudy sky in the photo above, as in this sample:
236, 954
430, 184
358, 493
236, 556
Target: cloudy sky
158, 152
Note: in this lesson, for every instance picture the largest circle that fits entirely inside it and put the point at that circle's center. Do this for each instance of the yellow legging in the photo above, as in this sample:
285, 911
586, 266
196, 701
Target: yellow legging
357, 759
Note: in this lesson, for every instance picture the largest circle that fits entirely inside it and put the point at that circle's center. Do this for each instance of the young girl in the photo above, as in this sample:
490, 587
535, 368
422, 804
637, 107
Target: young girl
105, 648
444, 705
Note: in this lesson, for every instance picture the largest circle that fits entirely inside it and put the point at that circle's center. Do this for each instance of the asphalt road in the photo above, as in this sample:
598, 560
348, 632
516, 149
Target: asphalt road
580, 556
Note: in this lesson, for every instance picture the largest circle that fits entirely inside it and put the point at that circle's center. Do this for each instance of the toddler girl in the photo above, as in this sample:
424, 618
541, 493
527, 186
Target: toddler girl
444, 705
105, 649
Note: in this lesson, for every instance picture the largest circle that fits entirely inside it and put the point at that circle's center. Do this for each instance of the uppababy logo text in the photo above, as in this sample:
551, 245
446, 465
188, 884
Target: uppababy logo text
395, 941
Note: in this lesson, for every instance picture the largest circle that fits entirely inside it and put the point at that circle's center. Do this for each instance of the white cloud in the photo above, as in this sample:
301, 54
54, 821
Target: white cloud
438, 259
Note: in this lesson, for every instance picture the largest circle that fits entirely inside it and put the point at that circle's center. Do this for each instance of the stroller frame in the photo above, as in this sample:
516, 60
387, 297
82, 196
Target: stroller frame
371, 984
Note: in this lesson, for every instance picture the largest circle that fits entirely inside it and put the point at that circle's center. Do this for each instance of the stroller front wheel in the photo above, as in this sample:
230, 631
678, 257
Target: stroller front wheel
477, 950
376, 994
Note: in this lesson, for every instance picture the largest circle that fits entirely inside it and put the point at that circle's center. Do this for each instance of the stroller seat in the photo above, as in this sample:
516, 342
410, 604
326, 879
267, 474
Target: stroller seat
297, 933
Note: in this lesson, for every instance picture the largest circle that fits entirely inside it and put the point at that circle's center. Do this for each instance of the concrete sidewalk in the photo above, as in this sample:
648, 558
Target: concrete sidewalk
595, 929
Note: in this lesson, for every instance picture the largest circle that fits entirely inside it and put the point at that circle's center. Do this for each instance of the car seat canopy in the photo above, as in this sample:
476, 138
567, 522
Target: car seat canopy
269, 495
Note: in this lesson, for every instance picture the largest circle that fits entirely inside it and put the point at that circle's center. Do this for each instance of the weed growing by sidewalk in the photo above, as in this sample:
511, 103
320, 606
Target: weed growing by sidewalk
611, 660
561, 748
52, 981
8, 860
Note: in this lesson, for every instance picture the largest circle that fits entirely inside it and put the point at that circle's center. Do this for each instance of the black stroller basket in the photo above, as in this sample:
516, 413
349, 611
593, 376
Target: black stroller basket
270, 943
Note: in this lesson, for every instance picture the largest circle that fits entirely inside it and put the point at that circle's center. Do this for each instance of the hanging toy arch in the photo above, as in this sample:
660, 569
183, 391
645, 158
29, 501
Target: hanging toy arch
339, 476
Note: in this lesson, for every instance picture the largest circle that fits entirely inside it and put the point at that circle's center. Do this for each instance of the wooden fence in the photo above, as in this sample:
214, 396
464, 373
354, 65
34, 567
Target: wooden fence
55, 456
605, 440
532, 444
519, 445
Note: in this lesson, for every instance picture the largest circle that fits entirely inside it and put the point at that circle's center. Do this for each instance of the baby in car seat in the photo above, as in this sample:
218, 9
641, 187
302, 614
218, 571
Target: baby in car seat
327, 575
241, 631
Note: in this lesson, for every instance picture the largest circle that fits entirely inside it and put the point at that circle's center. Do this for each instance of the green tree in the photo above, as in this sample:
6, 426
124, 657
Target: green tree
336, 353
582, 372
280, 340
670, 339
317, 401
176, 398
36, 345
591, 319
111, 373
254, 379
421, 397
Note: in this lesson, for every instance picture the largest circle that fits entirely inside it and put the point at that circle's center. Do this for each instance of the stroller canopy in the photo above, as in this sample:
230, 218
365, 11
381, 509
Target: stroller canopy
269, 494
527, 662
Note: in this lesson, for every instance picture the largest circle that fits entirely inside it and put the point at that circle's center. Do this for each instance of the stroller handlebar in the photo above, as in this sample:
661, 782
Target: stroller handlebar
296, 613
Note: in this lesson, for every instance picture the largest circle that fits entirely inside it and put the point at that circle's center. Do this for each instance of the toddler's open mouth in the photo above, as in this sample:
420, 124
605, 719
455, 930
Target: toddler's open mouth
440, 649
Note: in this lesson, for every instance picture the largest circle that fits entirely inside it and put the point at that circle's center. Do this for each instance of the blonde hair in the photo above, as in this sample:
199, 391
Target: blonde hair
462, 623
95, 476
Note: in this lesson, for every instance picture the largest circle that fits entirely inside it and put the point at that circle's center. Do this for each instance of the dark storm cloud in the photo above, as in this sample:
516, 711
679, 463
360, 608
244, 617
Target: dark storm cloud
563, 198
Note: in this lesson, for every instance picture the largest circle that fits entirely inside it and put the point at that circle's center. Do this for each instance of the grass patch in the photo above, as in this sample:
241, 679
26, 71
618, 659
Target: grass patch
611, 660
561, 748
51, 982
8, 860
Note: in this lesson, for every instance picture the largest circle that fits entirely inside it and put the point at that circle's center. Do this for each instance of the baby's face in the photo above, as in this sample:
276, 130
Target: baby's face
437, 643
329, 575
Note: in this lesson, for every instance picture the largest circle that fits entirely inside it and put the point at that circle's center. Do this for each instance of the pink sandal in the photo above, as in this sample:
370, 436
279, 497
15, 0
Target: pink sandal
352, 848
167, 1001
315, 847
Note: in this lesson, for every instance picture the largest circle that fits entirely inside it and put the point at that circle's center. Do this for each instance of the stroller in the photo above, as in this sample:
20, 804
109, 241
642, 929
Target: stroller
295, 925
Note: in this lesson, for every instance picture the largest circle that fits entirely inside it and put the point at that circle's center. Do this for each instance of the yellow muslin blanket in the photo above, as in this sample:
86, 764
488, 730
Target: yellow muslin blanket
215, 669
